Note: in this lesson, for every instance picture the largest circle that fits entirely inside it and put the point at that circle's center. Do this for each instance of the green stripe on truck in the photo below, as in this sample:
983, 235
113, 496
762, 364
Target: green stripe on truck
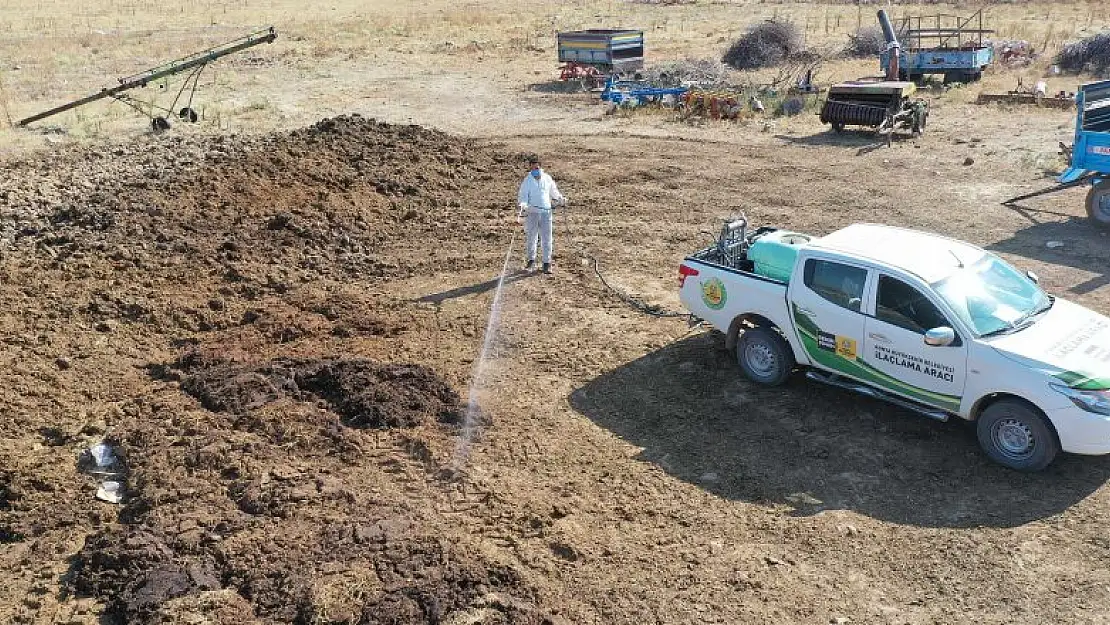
863, 371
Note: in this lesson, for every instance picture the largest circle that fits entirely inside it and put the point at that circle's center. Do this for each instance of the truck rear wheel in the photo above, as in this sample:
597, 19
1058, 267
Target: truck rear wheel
1016, 435
764, 356
1098, 204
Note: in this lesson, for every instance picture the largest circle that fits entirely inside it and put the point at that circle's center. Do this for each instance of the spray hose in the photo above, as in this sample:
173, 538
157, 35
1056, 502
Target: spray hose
653, 310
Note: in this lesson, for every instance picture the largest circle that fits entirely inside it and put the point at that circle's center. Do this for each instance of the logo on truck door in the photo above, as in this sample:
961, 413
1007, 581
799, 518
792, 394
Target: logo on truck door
713, 293
843, 346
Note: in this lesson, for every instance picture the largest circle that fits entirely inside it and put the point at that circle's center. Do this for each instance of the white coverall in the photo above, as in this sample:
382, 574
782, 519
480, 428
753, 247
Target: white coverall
535, 199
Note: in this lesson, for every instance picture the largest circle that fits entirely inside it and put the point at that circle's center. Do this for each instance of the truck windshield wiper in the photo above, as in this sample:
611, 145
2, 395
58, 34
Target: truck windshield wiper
1021, 322
1003, 330
1027, 319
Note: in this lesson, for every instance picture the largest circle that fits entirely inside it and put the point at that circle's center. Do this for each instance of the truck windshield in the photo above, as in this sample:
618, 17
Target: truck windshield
991, 297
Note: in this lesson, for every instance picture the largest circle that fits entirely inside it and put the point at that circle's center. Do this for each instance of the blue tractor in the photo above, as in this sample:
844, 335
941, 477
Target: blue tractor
1090, 154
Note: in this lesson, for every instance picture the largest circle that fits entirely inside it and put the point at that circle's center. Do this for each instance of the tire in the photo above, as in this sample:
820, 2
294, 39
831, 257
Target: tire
764, 356
838, 127
1098, 204
919, 124
1017, 435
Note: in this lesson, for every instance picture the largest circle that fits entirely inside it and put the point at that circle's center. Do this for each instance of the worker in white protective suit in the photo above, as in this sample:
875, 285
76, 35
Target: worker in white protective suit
537, 199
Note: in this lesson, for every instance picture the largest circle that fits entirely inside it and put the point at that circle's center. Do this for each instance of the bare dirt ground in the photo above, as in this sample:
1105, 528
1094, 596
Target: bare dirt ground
279, 329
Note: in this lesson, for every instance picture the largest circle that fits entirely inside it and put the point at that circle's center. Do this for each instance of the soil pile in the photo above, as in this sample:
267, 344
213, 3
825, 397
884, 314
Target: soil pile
268, 478
363, 393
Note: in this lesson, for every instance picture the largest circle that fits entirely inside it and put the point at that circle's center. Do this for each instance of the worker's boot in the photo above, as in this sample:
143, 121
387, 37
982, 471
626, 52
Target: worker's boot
547, 268
530, 265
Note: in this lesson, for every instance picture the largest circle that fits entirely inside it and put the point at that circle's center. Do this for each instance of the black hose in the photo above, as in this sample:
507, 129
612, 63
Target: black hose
637, 304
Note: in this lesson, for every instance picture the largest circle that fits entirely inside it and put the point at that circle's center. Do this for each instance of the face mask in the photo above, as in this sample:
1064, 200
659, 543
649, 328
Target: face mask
536, 173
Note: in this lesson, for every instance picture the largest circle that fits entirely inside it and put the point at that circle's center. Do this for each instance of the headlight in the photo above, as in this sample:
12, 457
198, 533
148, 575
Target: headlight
1097, 402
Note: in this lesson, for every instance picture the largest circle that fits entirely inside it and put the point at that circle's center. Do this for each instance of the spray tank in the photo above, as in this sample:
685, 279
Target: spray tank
892, 45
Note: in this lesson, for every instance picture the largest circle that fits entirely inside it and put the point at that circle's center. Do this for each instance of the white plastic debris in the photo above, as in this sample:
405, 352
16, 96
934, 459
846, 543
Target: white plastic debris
1054, 244
110, 491
102, 455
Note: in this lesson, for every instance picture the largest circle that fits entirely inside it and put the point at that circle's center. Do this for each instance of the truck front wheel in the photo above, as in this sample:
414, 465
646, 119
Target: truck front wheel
1016, 435
764, 356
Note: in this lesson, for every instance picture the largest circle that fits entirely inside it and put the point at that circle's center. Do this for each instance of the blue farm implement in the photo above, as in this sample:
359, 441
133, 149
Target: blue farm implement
1090, 154
634, 93
941, 44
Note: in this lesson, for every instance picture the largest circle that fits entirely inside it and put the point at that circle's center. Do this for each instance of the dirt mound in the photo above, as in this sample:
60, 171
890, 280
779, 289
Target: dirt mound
365, 394
373, 577
136, 571
327, 201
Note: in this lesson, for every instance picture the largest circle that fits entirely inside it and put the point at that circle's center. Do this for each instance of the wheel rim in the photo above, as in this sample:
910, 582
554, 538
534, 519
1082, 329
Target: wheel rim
1013, 439
1102, 206
760, 359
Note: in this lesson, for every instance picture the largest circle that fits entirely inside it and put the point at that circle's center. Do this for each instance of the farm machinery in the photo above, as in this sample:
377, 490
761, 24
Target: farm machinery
194, 64
590, 56
1089, 155
636, 93
941, 44
886, 105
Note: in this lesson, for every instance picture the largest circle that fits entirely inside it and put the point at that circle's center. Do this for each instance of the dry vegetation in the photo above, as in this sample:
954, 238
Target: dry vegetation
227, 309
394, 59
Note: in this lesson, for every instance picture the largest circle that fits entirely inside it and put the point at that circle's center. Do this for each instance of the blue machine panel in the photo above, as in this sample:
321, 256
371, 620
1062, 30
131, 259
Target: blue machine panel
1091, 151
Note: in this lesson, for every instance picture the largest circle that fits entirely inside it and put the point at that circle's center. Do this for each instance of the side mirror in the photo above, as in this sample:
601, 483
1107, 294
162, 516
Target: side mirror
940, 337
855, 304
1032, 276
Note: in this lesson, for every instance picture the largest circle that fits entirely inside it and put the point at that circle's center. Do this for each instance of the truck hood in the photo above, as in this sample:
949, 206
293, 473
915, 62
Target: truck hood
1069, 342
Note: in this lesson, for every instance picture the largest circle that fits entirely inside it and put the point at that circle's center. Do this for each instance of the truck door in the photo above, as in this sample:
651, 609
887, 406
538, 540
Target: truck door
895, 346
827, 312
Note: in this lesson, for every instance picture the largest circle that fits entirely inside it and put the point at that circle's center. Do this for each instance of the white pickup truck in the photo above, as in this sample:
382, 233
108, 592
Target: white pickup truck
929, 323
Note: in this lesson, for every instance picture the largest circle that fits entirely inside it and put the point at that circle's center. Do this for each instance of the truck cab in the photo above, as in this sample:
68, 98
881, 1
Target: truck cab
936, 325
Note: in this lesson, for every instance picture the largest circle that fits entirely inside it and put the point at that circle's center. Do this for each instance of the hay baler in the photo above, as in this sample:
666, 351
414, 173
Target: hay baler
885, 105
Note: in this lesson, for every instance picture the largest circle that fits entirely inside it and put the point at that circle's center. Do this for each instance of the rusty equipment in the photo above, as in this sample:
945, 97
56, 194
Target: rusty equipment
885, 105
193, 63
1025, 95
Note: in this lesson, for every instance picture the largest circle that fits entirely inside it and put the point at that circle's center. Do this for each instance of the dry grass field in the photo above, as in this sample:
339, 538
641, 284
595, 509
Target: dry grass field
276, 320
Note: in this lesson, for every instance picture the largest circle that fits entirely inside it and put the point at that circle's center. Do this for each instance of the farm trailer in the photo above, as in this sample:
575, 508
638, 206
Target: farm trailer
941, 44
596, 53
1089, 154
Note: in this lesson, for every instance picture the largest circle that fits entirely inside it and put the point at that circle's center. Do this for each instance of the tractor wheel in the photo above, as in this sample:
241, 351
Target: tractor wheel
919, 121
188, 115
838, 126
1098, 204
159, 124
